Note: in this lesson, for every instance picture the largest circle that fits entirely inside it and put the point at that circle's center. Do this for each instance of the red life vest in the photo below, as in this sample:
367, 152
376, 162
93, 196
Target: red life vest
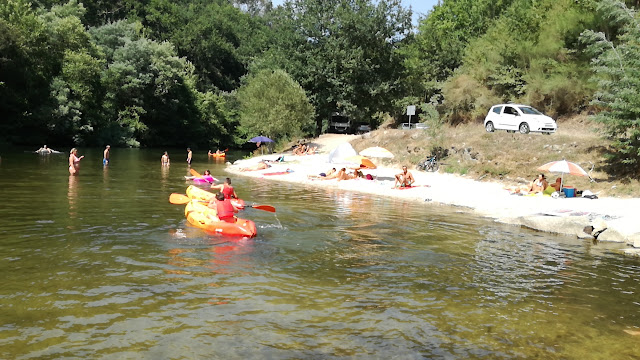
225, 209
227, 191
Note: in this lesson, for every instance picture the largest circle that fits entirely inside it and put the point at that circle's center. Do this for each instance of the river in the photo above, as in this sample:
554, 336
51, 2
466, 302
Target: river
102, 266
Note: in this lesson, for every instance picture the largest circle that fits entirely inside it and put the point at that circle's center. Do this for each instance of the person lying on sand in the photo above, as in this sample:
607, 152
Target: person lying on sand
259, 166
322, 175
340, 175
405, 178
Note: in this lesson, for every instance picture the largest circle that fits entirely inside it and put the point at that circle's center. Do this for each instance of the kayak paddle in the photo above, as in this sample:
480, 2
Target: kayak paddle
179, 199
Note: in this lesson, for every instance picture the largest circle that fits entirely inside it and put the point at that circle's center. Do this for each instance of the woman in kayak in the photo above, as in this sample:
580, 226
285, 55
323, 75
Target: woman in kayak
74, 162
226, 189
225, 211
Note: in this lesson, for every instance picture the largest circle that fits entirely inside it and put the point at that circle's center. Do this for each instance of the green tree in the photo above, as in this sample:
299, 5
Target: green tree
615, 65
342, 52
272, 104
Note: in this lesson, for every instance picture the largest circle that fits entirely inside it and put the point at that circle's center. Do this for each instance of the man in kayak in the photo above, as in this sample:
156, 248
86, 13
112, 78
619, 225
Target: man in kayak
106, 155
189, 155
226, 189
225, 210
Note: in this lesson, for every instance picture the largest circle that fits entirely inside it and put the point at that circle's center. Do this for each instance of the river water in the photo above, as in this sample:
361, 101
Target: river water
102, 266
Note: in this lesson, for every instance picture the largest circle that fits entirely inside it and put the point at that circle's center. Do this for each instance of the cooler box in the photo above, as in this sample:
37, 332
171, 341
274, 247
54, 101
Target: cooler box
569, 191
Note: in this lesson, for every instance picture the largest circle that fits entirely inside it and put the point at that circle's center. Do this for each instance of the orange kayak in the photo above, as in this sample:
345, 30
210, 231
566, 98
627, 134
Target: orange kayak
218, 155
203, 217
196, 193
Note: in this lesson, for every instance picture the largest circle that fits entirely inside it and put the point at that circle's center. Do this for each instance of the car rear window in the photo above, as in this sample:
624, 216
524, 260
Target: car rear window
497, 109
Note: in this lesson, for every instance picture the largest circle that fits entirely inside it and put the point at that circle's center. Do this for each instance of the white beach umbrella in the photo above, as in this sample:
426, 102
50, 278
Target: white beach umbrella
376, 152
341, 152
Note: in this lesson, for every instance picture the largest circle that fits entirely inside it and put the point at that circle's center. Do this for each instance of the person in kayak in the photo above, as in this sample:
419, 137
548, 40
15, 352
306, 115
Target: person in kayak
74, 161
226, 189
225, 210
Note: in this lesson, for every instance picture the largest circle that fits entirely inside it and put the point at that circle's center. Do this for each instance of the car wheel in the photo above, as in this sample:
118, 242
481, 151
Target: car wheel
524, 128
489, 127
547, 133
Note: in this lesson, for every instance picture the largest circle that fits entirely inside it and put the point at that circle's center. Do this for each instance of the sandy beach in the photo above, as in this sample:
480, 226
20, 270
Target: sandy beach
612, 219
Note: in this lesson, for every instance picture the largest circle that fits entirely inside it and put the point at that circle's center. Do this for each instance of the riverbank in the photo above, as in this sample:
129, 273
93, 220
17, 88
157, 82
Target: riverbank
602, 219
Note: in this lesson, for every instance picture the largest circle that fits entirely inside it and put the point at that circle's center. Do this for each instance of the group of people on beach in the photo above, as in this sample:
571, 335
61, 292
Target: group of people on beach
303, 149
539, 185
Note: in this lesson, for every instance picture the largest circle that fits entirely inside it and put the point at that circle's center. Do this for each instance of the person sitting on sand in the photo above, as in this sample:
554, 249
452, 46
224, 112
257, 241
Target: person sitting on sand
259, 166
539, 184
405, 178
312, 150
556, 185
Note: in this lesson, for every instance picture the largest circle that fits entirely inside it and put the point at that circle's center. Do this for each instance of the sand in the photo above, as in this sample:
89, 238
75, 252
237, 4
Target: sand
613, 219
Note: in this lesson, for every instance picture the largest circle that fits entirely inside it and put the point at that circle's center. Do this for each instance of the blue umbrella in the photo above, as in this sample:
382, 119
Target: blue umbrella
263, 139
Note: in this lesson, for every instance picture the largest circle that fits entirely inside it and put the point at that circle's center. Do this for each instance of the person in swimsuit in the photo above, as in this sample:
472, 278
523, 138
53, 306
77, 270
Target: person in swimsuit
106, 155
165, 159
189, 155
44, 150
226, 189
74, 161
405, 178
539, 184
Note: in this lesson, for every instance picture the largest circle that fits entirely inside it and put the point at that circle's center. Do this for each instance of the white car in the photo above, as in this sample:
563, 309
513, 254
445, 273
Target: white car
516, 117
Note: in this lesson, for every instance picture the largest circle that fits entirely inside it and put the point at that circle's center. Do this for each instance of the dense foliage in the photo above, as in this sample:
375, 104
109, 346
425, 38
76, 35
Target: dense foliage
191, 72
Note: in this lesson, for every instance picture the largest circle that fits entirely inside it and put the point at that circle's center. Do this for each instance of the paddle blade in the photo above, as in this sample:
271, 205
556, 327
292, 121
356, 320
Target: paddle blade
178, 199
195, 173
268, 208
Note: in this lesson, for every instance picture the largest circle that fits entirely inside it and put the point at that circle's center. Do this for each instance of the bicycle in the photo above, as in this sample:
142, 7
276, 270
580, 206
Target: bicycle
429, 164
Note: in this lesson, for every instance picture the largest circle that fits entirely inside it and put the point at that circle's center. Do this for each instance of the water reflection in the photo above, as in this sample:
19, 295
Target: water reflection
72, 196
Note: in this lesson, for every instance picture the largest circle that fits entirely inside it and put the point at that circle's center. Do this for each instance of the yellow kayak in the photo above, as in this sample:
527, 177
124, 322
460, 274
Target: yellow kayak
200, 215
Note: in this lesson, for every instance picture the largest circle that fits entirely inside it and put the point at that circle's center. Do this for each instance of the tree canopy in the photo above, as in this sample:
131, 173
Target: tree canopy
160, 72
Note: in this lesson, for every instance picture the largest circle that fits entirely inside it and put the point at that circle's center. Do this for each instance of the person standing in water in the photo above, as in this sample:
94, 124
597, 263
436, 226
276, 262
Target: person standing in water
189, 155
165, 159
74, 161
106, 155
